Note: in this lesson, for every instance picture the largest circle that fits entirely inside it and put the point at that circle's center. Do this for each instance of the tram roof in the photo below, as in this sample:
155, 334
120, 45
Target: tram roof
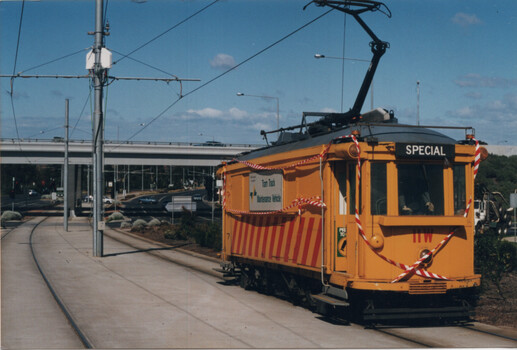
389, 132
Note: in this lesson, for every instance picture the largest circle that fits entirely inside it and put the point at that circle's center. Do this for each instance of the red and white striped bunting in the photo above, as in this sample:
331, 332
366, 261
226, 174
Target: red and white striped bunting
298, 202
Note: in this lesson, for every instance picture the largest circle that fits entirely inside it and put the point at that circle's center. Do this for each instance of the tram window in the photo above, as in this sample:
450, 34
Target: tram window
352, 179
378, 189
420, 189
341, 180
458, 172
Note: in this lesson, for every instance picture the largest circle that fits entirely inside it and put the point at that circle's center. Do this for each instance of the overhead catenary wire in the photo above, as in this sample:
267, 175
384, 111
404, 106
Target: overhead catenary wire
226, 72
52, 61
14, 67
82, 111
166, 31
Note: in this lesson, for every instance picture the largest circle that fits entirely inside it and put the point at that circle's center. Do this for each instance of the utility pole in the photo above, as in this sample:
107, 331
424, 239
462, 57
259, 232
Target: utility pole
65, 165
98, 133
98, 61
213, 190
418, 102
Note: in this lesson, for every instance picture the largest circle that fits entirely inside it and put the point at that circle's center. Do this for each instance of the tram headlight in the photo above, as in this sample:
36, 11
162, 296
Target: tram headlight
483, 153
346, 150
377, 241
429, 259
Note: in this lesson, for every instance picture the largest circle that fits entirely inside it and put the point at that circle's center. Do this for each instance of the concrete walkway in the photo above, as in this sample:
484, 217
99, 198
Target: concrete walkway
31, 317
132, 299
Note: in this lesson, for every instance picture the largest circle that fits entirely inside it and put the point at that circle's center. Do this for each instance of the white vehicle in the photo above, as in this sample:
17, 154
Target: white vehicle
479, 211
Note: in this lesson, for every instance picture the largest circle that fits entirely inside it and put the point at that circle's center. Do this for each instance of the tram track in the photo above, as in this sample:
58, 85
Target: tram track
414, 340
207, 272
82, 336
419, 343
88, 343
407, 335
476, 328
423, 340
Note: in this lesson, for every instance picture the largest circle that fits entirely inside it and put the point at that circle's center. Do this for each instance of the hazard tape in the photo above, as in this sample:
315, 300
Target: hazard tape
300, 203
223, 192
323, 154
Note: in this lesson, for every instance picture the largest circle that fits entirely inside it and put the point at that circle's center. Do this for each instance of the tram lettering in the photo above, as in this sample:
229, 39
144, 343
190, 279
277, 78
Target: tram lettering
419, 232
424, 150
264, 199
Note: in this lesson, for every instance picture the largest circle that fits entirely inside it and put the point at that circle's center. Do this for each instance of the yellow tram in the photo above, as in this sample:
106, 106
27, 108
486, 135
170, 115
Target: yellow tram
356, 211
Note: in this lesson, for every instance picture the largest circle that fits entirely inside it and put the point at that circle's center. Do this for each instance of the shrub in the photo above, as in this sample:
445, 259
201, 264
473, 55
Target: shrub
175, 234
11, 215
138, 225
154, 222
125, 224
115, 216
208, 235
494, 257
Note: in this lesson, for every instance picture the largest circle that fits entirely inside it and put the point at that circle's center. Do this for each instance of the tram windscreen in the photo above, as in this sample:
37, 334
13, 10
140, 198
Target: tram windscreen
420, 189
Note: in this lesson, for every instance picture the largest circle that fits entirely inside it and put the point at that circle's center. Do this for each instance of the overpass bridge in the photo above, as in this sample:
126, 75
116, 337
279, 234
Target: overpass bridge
34, 151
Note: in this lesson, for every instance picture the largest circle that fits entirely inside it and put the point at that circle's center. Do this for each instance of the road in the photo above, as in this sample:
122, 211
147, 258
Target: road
23, 203
136, 210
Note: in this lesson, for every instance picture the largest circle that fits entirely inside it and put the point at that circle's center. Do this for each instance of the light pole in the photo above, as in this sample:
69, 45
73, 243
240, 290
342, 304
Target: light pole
270, 97
319, 56
418, 102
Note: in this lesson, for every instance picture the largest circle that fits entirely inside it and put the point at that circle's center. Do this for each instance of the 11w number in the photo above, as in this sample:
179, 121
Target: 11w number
422, 235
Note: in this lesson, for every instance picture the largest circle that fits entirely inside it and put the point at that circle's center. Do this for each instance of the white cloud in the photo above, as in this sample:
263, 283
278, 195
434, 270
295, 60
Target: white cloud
206, 112
493, 120
222, 61
477, 80
236, 113
328, 110
233, 113
260, 126
465, 19
474, 95
464, 112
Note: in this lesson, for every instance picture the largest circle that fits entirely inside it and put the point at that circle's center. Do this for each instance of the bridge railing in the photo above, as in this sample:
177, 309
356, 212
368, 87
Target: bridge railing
114, 142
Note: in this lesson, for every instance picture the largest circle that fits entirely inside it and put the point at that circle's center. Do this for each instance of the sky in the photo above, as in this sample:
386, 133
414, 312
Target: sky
462, 53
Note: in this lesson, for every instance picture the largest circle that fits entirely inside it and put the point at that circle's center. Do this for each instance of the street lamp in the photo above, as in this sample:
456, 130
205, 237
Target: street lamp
319, 56
271, 97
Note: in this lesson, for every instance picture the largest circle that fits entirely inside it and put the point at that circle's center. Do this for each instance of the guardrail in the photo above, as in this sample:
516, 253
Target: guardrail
114, 142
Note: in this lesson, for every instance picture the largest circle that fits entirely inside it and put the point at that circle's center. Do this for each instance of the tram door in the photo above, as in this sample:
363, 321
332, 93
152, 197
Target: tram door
344, 179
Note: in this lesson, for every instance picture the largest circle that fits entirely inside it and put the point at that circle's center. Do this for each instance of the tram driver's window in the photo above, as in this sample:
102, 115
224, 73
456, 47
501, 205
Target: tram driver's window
458, 172
341, 180
378, 189
420, 189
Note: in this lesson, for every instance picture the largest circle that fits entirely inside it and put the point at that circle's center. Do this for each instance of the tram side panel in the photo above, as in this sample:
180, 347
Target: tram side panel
292, 237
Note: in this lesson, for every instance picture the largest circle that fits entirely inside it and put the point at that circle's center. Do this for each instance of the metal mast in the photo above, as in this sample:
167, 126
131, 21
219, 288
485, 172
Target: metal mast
98, 76
65, 171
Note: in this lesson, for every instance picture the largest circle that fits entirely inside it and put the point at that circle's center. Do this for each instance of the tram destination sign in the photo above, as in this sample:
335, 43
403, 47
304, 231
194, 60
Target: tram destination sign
424, 151
266, 191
